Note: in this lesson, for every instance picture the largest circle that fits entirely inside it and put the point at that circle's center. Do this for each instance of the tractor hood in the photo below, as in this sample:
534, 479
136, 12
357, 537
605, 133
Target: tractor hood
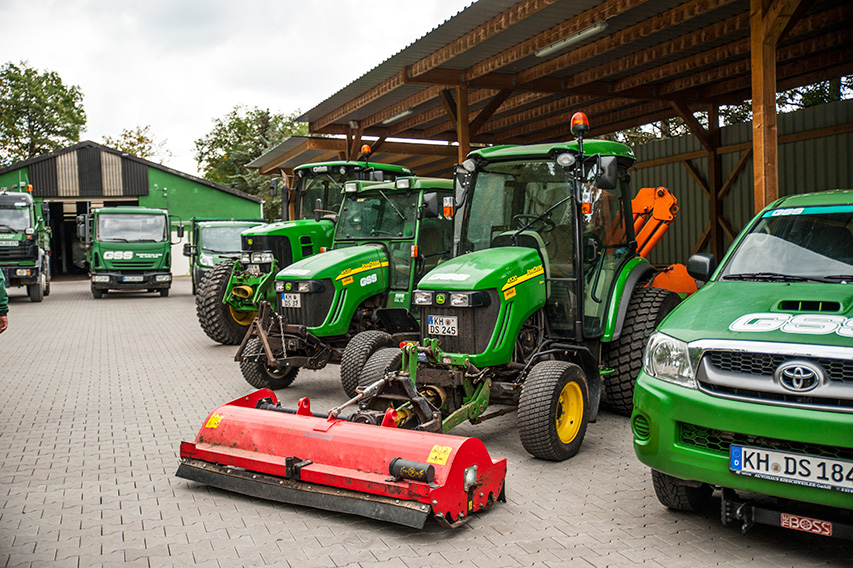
338, 264
490, 268
282, 228
807, 313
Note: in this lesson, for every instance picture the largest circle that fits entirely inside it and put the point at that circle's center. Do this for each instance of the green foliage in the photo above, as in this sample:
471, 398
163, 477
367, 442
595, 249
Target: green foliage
139, 142
38, 113
238, 138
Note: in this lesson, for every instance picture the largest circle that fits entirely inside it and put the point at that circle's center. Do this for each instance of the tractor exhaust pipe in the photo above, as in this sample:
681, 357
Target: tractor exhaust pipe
244, 292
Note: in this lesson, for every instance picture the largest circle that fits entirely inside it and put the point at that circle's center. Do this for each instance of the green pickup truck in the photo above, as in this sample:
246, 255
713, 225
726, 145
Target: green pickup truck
747, 386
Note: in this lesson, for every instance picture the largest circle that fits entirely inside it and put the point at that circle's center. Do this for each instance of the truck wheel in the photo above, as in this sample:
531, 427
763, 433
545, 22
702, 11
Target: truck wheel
356, 355
97, 293
646, 308
216, 318
678, 497
47, 281
36, 291
385, 360
553, 410
164, 292
262, 376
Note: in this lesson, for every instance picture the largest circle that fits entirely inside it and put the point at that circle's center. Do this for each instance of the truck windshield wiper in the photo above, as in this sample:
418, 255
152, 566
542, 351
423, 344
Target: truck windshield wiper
8, 228
391, 203
116, 240
769, 277
839, 277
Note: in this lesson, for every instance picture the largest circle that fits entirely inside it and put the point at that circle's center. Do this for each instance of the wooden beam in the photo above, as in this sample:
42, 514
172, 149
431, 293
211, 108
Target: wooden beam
697, 177
764, 129
449, 104
777, 19
735, 173
695, 127
489, 110
703, 239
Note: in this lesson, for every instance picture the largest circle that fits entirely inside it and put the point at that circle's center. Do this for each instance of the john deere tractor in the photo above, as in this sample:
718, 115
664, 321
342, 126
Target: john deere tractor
387, 237
547, 305
229, 295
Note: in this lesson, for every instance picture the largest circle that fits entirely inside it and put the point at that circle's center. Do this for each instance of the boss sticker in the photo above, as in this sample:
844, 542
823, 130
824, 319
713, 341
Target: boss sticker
368, 280
808, 324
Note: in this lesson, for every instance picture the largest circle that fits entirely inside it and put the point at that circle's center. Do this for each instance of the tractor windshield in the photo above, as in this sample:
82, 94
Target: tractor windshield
131, 228
804, 243
326, 186
221, 239
378, 216
13, 219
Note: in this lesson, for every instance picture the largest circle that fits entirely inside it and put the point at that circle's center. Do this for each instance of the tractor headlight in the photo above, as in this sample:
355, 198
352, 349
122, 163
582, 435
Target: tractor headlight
245, 258
205, 260
100, 278
279, 285
459, 300
303, 287
422, 298
668, 359
476, 299
262, 257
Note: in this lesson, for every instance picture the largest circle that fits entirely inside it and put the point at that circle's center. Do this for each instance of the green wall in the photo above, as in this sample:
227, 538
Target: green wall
187, 198
10, 179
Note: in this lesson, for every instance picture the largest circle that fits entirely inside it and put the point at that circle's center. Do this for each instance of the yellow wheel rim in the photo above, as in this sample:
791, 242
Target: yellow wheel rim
569, 412
243, 318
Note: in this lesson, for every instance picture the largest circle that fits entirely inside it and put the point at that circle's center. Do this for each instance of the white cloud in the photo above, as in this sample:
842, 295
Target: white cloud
177, 65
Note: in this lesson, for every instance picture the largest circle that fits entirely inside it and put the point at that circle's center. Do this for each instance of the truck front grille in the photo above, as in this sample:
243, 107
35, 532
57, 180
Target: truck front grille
476, 326
719, 441
766, 363
134, 264
26, 251
315, 307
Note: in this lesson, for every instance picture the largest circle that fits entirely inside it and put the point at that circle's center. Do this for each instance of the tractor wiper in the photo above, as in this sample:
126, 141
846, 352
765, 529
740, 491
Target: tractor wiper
337, 185
541, 216
769, 277
391, 203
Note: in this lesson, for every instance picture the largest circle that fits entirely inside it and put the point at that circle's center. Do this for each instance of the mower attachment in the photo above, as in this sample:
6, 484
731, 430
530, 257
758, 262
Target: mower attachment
256, 447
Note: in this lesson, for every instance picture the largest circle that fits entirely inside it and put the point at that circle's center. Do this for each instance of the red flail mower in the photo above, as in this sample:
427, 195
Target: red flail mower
256, 447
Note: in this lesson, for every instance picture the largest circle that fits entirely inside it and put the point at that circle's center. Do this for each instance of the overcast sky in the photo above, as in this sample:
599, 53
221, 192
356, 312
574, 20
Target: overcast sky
176, 65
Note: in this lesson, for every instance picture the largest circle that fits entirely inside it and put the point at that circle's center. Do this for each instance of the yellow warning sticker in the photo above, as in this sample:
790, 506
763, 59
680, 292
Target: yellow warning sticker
346, 281
439, 454
213, 421
509, 293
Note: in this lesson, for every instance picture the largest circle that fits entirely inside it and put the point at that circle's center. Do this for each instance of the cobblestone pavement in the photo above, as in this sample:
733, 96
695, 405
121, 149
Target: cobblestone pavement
97, 395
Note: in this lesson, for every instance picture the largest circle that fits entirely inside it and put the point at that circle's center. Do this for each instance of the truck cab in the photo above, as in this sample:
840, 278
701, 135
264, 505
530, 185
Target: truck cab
128, 248
213, 240
25, 243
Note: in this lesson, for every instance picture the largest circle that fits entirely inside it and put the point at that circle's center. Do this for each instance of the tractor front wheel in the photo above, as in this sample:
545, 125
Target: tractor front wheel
220, 321
646, 309
383, 361
680, 497
262, 376
553, 410
356, 355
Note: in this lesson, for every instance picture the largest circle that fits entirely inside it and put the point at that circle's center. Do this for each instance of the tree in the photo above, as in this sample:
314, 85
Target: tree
238, 138
38, 113
139, 142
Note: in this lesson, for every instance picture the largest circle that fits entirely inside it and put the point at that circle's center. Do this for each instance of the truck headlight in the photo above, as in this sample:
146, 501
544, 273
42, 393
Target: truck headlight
668, 359
100, 278
22, 272
422, 298
162, 277
262, 257
205, 260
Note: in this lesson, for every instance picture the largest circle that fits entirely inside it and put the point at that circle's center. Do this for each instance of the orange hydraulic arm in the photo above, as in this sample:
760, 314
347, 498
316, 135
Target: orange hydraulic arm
654, 209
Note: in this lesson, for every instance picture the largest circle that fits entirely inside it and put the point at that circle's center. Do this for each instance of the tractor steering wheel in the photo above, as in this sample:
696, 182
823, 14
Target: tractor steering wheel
524, 218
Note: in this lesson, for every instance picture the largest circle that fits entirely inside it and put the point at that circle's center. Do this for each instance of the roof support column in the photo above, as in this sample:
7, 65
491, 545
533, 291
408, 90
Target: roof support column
715, 182
462, 132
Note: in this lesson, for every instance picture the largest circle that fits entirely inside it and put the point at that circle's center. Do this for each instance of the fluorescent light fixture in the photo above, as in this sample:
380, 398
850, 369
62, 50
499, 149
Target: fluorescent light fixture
572, 39
397, 116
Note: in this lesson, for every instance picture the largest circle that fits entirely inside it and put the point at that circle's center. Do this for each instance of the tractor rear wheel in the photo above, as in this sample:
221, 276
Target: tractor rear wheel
553, 410
383, 361
262, 376
679, 497
646, 309
218, 320
356, 355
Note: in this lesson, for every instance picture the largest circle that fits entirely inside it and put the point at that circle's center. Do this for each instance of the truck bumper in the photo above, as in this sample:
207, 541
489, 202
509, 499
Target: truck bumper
686, 433
20, 275
153, 280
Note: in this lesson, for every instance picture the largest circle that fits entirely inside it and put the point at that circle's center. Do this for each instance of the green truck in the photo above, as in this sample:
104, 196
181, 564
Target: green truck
25, 243
229, 296
747, 386
387, 236
128, 248
211, 241
547, 304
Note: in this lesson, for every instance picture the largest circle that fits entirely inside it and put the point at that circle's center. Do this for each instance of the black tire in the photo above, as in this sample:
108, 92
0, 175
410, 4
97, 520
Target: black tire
646, 309
36, 291
97, 293
260, 375
678, 497
47, 280
195, 282
214, 316
385, 360
356, 355
165, 292
553, 410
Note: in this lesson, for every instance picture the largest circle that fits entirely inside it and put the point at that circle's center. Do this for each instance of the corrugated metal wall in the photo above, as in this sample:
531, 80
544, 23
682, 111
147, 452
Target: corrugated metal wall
804, 166
89, 172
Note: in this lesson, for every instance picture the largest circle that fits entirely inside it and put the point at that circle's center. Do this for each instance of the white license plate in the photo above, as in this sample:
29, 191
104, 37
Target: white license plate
291, 300
442, 325
798, 469
132, 279
8, 243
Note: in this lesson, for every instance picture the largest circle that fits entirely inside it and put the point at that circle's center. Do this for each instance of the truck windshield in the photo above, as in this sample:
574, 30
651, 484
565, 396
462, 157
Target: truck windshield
377, 215
804, 242
131, 227
221, 239
14, 219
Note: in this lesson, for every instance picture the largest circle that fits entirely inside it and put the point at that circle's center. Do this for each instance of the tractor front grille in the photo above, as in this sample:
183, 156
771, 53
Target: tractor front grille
476, 326
280, 247
315, 307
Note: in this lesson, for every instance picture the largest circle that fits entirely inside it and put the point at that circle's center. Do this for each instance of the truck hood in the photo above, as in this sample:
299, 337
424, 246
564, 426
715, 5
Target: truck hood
484, 269
766, 311
336, 264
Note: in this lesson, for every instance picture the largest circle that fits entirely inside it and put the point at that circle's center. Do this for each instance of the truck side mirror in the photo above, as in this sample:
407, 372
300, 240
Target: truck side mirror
318, 209
81, 227
701, 266
190, 249
180, 231
607, 170
45, 212
430, 207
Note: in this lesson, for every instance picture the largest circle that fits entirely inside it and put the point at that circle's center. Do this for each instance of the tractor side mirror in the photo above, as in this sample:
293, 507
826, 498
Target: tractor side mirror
701, 266
607, 172
431, 207
318, 210
190, 249
180, 231
274, 187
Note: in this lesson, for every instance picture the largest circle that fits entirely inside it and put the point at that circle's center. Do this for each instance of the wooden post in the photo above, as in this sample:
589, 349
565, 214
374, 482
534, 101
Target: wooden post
462, 134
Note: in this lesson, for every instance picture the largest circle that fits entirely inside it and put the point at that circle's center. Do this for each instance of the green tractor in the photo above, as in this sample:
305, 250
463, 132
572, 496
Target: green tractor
546, 308
387, 237
229, 295
210, 240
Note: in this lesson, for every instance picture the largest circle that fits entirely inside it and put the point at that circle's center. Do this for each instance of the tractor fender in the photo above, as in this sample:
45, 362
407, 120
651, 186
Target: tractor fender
634, 272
